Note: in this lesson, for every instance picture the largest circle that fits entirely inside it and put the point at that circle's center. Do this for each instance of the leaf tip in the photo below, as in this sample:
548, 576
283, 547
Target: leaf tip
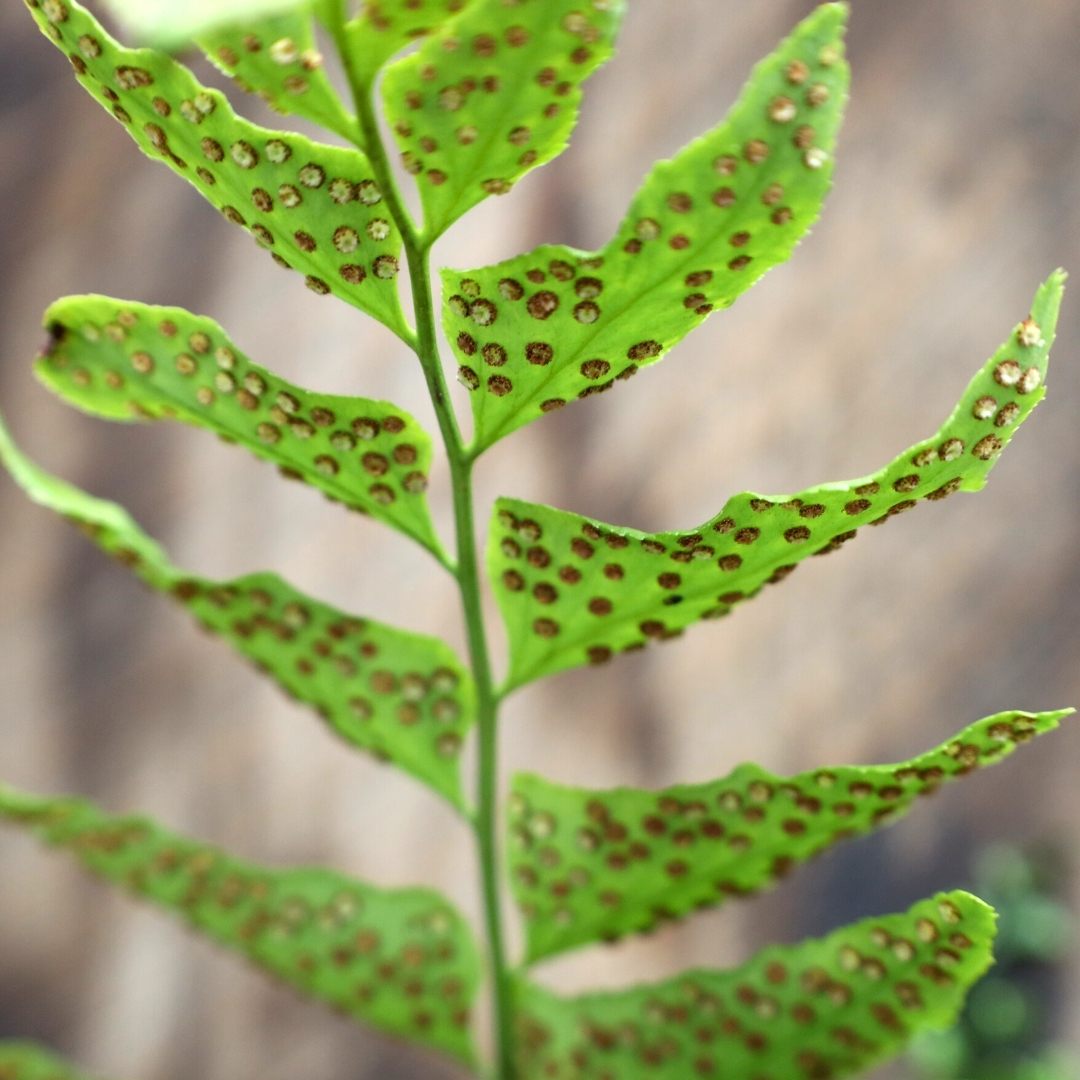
1058, 277
830, 18
981, 927
1053, 719
973, 909
1050, 293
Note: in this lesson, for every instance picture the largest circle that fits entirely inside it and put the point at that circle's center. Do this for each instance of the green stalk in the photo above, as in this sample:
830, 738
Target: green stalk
485, 821
417, 249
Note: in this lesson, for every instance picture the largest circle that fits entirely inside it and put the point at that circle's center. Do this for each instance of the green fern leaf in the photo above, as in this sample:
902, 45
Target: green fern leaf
26, 1061
385, 27
316, 209
493, 94
595, 865
404, 697
173, 23
575, 591
402, 960
278, 59
829, 1007
558, 324
129, 361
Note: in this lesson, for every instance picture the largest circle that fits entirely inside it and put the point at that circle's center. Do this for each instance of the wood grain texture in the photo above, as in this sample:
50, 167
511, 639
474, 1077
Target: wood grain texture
957, 191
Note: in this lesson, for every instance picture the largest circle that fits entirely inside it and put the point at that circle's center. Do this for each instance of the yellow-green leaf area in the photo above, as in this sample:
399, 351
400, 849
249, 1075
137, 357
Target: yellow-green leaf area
827, 1007
403, 697
402, 960
27, 1061
589, 865
173, 23
575, 591
314, 208
494, 93
279, 59
558, 324
128, 361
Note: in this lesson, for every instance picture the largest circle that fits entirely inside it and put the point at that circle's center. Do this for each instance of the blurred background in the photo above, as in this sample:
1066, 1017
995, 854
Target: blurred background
957, 191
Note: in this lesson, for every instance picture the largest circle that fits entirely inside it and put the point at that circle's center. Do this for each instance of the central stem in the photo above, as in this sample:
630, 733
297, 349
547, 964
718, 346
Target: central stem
485, 822
467, 573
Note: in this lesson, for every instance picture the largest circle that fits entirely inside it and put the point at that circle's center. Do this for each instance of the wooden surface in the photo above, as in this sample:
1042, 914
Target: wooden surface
958, 189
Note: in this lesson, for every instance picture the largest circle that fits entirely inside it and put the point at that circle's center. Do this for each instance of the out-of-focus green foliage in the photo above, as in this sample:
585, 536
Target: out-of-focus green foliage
27, 1061
172, 23
825, 1008
592, 865
404, 697
401, 959
1006, 1030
